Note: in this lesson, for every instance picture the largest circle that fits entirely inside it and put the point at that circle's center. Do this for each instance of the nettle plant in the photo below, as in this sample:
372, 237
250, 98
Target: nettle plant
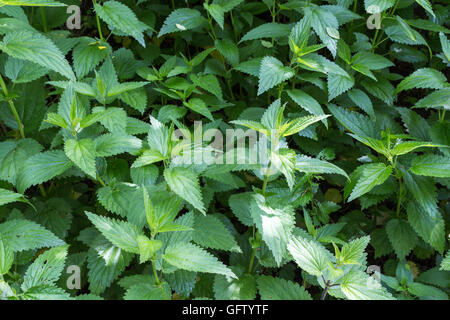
224, 149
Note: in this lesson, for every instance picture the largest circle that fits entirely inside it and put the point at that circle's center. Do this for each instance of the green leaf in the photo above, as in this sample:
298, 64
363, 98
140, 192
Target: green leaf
271, 73
147, 248
299, 124
105, 263
445, 44
7, 196
148, 157
82, 153
216, 11
209, 83
307, 102
6, 257
227, 288
315, 166
112, 144
271, 288
372, 175
46, 269
199, 106
375, 6
427, 6
21, 235
120, 233
190, 257
325, 25
117, 198
87, 54
23, 71
267, 30
371, 61
56, 119
425, 78
406, 147
362, 100
380, 242
432, 165
210, 232
338, 84
46, 292
184, 183
229, 50
402, 237
181, 20
353, 121
380, 88
426, 292
357, 285
41, 168
428, 224
309, 255
439, 98
148, 291
275, 225
34, 47
445, 264
375, 144
241, 207
121, 18
422, 189
181, 281
353, 251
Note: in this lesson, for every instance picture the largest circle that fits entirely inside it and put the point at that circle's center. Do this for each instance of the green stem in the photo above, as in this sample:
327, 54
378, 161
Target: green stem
442, 117
374, 39
252, 258
234, 27
98, 22
44, 19
43, 192
266, 180
156, 274
211, 26
13, 108
324, 293
394, 8
99, 179
355, 4
400, 194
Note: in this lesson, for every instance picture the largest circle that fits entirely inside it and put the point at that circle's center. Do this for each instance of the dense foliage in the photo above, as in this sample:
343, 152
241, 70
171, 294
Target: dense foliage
348, 197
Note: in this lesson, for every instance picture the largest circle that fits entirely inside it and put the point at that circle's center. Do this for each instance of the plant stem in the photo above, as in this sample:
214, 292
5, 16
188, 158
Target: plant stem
156, 274
42, 189
325, 291
266, 180
44, 19
252, 258
13, 108
400, 194
355, 4
212, 27
99, 179
98, 22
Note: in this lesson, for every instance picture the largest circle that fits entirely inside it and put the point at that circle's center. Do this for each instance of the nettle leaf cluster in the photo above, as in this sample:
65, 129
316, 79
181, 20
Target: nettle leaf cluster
349, 200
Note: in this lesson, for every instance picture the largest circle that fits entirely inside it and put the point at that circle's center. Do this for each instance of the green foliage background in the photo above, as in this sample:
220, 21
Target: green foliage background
356, 118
